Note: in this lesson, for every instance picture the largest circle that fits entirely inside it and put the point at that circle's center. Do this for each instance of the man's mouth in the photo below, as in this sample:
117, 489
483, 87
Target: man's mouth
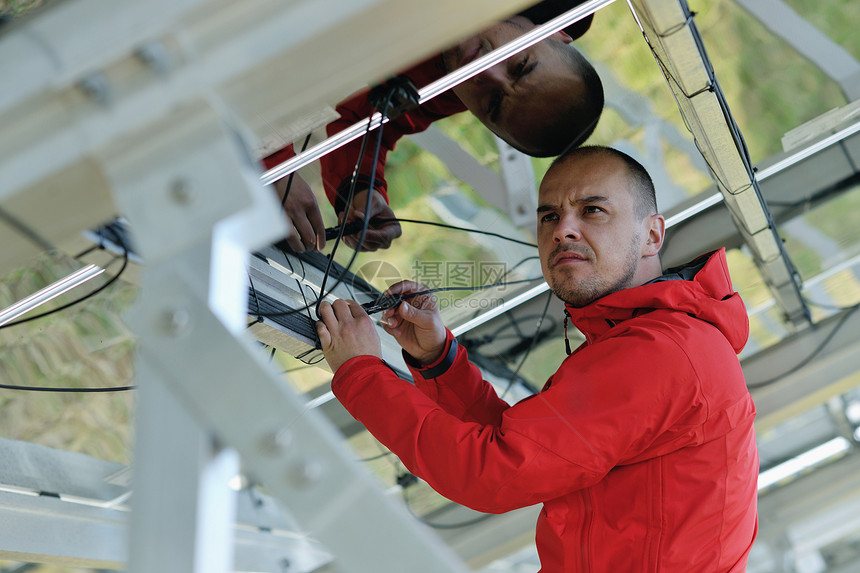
567, 257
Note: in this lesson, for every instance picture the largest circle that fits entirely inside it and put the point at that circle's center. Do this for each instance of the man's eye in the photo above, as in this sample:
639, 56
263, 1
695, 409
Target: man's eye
548, 217
493, 107
518, 71
592, 209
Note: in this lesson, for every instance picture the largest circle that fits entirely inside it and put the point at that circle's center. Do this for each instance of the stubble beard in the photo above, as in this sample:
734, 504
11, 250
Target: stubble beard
580, 293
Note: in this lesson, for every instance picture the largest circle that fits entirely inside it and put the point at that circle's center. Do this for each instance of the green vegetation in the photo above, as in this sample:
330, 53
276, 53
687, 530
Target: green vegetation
17, 7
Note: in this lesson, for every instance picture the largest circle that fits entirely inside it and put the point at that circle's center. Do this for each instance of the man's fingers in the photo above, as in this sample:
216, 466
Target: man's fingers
295, 241
324, 335
318, 227
307, 233
355, 309
326, 313
405, 287
341, 309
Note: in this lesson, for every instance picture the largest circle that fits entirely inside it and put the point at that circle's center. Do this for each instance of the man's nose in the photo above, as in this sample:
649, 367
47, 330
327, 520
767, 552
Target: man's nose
495, 76
567, 229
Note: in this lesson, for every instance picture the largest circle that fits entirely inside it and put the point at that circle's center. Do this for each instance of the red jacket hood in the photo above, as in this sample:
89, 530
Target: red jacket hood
708, 296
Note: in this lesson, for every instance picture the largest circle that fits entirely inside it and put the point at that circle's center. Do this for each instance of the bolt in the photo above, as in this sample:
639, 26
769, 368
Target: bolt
276, 443
302, 474
154, 54
173, 322
180, 192
96, 86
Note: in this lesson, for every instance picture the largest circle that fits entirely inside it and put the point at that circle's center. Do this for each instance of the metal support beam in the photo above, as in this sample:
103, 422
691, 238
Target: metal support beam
81, 89
795, 384
810, 42
190, 322
671, 32
784, 178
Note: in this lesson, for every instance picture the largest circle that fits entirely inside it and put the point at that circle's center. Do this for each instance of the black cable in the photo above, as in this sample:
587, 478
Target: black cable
531, 346
850, 310
26, 230
89, 295
434, 525
454, 227
290, 179
348, 204
830, 306
256, 300
470, 287
66, 389
376, 457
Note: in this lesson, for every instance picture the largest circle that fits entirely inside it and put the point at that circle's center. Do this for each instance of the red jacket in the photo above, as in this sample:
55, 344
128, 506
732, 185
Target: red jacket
641, 446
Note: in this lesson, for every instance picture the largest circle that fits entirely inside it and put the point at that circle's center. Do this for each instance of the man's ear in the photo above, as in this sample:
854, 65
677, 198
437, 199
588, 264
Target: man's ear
562, 36
655, 233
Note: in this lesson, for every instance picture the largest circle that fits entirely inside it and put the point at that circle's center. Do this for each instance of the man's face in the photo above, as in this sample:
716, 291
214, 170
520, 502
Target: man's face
528, 89
590, 240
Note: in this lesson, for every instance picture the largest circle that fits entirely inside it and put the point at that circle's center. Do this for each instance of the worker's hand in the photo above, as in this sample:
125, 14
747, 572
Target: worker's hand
416, 323
345, 331
379, 235
308, 230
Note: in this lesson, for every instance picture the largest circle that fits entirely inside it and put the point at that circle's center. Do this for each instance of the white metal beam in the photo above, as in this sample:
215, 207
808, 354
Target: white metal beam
810, 42
797, 387
96, 71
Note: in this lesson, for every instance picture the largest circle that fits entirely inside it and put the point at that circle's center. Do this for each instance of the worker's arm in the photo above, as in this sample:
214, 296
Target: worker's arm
623, 404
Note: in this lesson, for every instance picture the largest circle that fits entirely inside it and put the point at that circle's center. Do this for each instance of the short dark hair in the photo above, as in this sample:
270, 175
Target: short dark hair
572, 126
646, 203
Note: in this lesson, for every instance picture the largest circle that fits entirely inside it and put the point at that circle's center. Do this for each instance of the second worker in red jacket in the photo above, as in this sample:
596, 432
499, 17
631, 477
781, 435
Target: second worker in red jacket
541, 101
640, 447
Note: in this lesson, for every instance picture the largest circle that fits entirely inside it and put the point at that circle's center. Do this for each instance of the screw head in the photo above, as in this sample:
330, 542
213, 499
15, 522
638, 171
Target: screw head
180, 192
174, 321
275, 443
302, 474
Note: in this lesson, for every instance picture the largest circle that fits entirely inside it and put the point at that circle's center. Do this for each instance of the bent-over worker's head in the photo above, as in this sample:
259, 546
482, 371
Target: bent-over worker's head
541, 101
598, 228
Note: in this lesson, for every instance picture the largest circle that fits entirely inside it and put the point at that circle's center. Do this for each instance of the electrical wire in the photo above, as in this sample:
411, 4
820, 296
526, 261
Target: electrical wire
376, 457
290, 178
435, 525
812, 355
534, 340
348, 204
454, 227
470, 287
25, 230
67, 389
81, 299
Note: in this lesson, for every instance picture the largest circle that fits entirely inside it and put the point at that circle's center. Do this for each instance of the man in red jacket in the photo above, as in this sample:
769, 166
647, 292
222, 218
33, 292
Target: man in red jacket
640, 447
541, 101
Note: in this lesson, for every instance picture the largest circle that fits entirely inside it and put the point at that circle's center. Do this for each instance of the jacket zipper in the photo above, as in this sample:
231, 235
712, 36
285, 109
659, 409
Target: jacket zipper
589, 521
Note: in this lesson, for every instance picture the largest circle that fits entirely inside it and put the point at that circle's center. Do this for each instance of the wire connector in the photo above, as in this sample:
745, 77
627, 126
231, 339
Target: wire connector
384, 302
399, 93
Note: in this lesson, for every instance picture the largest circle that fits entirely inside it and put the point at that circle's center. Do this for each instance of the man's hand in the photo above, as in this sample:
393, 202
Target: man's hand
378, 236
416, 323
308, 230
345, 332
